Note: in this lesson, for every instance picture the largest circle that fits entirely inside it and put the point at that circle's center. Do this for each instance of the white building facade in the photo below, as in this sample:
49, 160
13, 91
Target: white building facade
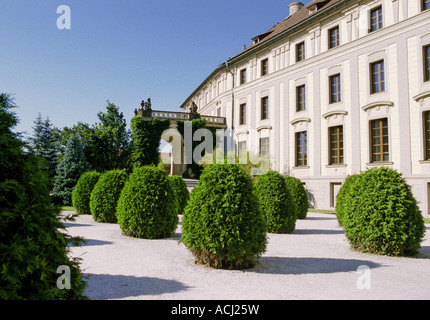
334, 89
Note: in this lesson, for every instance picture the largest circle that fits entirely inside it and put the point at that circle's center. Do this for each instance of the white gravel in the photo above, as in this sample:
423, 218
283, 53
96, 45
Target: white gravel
314, 262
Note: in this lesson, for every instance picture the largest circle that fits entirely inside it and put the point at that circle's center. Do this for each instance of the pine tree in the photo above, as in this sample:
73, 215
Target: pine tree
32, 244
69, 170
45, 143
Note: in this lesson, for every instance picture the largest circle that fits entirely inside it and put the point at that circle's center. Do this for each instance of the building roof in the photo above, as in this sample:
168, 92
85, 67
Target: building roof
291, 21
305, 13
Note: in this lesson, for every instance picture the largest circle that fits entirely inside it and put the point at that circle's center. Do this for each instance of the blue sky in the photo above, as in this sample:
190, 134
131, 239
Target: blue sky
121, 51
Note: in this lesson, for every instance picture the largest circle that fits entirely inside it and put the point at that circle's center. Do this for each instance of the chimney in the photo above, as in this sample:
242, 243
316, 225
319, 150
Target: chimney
294, 7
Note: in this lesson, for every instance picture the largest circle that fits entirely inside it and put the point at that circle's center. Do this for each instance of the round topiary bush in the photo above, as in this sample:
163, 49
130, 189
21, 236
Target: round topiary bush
182, 194
276, 202
222, 224
381, 215
82, 192
105, 195
147, 207
300, 196
342, 196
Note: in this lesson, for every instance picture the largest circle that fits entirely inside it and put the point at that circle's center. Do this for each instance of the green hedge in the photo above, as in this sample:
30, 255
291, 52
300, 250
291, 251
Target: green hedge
147, 207
342, 197
182, 194
382, 215
276, 202
222, 224
300, 196
82, 192
105, 195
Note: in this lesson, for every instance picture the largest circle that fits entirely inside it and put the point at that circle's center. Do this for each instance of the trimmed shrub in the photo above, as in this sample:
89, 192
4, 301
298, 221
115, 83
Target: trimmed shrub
276, 203
382, 215
182, 194
105, 195
300, 196
342, 196
222, 224
81, 193
147, 207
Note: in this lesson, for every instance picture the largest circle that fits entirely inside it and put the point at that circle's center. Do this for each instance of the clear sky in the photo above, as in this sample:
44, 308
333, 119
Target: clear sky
121, 51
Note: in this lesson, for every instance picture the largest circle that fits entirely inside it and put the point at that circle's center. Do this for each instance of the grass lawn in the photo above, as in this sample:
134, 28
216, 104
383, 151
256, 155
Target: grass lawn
68, 209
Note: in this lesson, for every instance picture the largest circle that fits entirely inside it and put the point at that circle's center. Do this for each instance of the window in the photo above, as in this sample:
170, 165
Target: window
333, 37
335, 95
264, 67
242, 114
379, 140
427, 63
426, 4
264, 108
426, 117
301, 149
264, 147
376, 19
336, 145
242, 149
300, 51
243, 76
377, 77
301, 98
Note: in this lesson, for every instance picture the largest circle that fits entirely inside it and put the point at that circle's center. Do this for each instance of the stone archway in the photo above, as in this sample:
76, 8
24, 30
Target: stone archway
175, 140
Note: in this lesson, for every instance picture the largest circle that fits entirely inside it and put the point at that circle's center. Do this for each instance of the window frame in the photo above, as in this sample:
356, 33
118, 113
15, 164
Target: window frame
426, 134
333, 43
300, 51
264, 115
266, 144
335, 90
242, 76
426, 62
377, 86
301, 151
381, 124
264, 67
379, 23
301, 98
336, 131
242, 114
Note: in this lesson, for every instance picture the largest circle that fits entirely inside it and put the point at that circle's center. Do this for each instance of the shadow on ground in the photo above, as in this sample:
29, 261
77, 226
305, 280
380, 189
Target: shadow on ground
283, 265
107, 286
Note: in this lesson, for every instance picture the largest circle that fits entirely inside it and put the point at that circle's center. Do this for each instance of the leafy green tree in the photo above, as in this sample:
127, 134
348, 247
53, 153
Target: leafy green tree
85, 132
146, 137
32, 242
111, 140
69, 170
45, 143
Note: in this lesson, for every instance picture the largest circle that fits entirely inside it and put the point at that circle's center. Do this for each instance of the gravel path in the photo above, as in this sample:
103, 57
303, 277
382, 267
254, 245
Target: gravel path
314, 262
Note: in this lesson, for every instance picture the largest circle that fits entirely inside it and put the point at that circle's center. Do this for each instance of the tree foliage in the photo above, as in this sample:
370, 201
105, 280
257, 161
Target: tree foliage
45, 143
381, 215
147, 207
146, 137
105, 195
82, 192
276, 202
69, 171
222, 224
300, 196
33, 243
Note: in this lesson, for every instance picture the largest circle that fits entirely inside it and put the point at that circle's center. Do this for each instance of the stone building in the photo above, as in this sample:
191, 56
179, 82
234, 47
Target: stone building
337, 87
